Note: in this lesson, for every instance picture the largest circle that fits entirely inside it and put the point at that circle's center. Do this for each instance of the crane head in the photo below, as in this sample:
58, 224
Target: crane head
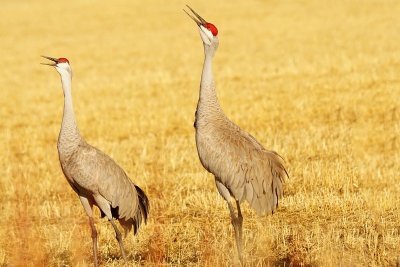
208, 31
61, 65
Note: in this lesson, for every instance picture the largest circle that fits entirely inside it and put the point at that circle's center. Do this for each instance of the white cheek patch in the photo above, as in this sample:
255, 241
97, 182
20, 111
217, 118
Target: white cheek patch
206, 35
209, 33
63, 65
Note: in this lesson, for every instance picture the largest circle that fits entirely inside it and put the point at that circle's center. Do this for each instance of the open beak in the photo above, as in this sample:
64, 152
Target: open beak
50, 64
200, 20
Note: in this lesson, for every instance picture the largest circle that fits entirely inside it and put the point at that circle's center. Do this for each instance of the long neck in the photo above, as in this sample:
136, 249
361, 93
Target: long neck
208, 104
69, 137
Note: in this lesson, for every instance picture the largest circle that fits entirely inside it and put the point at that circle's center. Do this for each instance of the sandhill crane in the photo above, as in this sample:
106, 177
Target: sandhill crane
243, 169
93, 175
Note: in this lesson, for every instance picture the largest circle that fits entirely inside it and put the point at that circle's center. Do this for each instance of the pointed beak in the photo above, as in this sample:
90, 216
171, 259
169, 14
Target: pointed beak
199, 21
50, 64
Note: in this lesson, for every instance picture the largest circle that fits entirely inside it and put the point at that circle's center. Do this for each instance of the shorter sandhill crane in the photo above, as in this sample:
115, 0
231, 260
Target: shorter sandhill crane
93, 175
243, 169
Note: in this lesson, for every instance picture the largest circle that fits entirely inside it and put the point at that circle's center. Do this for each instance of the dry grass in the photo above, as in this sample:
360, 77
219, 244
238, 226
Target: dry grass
317, 81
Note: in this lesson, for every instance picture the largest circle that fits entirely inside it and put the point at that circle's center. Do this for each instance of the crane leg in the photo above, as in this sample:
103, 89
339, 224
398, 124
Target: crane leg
119, 238
88, 205
236, 221
104, 206
94, 237
240, 221
237, 226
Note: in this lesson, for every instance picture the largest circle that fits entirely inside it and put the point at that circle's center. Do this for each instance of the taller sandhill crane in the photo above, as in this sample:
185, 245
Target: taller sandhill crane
93, 175
243, 169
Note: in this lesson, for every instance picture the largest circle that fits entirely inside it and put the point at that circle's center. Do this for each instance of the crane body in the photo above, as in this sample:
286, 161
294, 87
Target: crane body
95, 177
242, 167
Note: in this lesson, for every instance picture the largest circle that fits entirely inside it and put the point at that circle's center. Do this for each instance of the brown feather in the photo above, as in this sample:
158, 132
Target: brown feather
241, 163
93, 173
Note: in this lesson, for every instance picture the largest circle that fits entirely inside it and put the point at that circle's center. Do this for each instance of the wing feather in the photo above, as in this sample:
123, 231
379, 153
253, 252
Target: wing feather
99, 174
249, 171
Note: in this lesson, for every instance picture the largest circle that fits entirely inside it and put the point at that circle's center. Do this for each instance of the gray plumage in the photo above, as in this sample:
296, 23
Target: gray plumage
94, 176
242, 167
238, 161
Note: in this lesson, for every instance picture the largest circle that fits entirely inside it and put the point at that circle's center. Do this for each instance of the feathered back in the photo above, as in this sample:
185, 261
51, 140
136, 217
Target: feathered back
242, 165
96, 172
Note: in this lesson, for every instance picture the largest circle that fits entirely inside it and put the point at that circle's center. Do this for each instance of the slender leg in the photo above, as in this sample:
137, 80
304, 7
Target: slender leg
236, 221
104, 205
240, 222
94, 237
88, 205
236, 226
119, 238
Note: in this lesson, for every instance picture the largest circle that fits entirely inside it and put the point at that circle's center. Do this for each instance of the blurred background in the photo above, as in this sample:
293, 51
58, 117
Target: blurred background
316, 81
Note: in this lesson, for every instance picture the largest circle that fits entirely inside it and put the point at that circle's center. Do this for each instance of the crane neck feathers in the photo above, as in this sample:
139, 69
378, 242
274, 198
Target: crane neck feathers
69, 137
208, 104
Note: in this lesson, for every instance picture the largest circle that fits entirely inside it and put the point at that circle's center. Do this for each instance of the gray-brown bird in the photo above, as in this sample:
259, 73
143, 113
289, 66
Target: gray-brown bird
243, 169
93, 175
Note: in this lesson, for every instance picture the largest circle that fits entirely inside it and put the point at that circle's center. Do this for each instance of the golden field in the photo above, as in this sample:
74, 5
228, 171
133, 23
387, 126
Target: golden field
317, 81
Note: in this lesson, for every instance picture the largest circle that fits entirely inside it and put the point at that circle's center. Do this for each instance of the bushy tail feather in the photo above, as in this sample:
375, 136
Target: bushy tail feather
144, 208
140, 214
143, 203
